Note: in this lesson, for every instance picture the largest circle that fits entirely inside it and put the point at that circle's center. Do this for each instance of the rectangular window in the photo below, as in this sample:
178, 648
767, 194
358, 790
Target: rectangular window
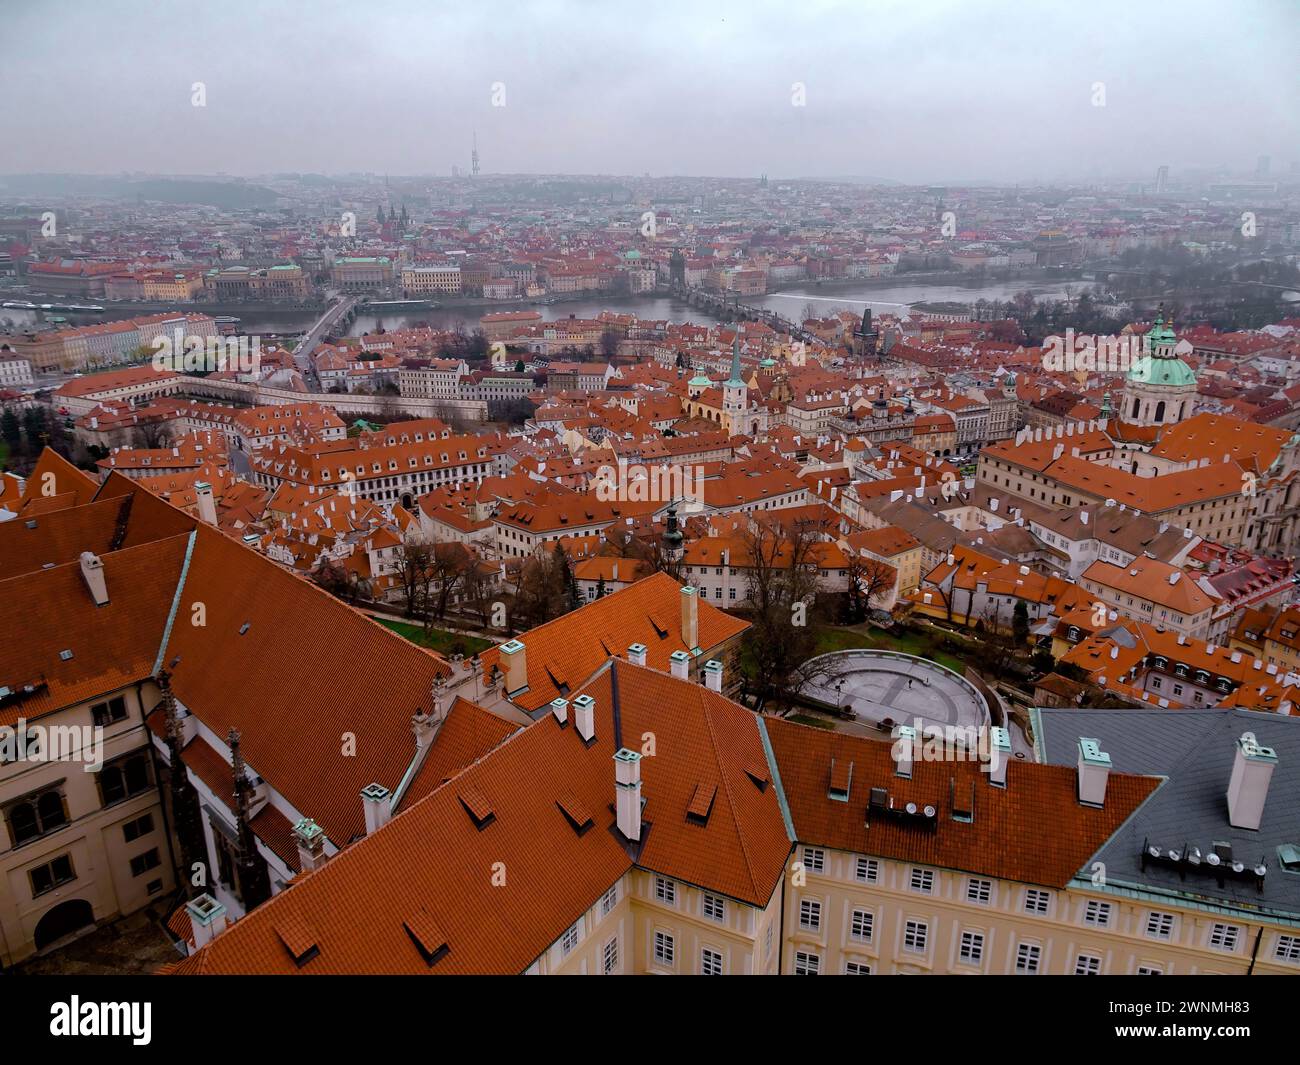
665, 890
1087, 965
1150, 970
922, 880
1224, 936
1097, 913
807, 963
814, 859
608, 901
810, 915
862, 925
972, 947
109, 713
570, 940
141, 826
866, 870
1160, 925
142, 863
609, 961
979, 891
50, 875
915, 936
1036, 901
710, 962
1027, 957
715, 908
663, 948
856, 968
1287, 948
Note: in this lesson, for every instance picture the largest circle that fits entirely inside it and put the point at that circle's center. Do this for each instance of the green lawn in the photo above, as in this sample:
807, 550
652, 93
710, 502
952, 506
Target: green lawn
445, 643
808, 719
910, 643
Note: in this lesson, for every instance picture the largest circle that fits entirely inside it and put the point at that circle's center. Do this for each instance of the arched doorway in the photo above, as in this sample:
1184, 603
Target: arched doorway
64, 919
1160, 411
407, 501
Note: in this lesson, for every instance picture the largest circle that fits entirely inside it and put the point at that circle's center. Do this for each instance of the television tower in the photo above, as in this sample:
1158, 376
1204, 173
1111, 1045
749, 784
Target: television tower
473, 156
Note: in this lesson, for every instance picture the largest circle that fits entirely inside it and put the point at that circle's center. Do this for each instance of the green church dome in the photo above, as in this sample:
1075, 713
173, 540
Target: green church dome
1150, 370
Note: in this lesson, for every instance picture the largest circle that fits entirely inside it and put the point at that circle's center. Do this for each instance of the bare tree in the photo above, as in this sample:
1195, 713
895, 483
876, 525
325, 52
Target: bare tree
151, 434
783, 586
868, 579
450, 563
415, 573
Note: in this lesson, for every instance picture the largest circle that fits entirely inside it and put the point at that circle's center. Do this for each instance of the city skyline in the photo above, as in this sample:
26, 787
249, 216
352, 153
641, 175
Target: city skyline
841, 92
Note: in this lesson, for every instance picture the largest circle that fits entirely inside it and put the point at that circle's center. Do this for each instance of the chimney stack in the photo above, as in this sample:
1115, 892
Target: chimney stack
999, 755
713, 675
681, 664
1252, 769
904, 750
636, 654
627, 793
690, 618
310, 838
92, 570
560, 708
207, 505
1094, 772
207, 919
584, 717
516, 665
377, 802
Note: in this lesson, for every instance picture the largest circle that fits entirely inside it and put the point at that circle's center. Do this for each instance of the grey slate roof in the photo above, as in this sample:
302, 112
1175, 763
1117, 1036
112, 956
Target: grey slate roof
1194, 749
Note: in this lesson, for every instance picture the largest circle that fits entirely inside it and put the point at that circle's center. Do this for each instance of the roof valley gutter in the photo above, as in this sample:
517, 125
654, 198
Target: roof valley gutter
176, 602
613, 698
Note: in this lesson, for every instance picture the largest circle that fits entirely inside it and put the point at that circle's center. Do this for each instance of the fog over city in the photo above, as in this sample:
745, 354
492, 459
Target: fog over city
895, 90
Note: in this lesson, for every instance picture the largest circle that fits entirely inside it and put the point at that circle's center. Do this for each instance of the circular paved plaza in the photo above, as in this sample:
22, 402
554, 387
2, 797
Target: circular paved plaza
886, 685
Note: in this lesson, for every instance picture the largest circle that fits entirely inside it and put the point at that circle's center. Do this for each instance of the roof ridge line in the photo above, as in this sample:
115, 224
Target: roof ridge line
722, 776
176, 600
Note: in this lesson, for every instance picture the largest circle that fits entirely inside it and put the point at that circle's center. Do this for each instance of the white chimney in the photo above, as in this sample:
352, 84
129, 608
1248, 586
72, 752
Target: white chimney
680, 664
310, 838
713, 675
690, 618
207, 506
999, 755
584, 717
92, 570
1252, 769
904, 750
560, 708
377, 801
207, 919
516, 665
1094, 771
627, 793
636, 654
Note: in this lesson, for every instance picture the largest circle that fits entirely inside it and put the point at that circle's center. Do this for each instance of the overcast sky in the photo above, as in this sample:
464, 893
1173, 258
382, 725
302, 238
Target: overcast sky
913, 90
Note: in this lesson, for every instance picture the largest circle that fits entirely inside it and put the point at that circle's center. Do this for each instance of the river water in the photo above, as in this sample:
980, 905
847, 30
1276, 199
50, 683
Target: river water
825, 299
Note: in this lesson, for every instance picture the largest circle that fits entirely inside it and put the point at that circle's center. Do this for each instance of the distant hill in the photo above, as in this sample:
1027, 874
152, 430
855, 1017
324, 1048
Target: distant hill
228, 195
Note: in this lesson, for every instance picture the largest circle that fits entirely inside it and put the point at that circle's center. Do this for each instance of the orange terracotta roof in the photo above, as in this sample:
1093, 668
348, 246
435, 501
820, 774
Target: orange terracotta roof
571, 648
438, 915
1034, 830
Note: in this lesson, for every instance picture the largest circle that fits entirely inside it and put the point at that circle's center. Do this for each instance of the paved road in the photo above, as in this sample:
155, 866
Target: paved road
313, 337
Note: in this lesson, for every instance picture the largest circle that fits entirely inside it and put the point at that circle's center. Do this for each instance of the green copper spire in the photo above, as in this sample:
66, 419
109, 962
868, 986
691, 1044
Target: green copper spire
735, 361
